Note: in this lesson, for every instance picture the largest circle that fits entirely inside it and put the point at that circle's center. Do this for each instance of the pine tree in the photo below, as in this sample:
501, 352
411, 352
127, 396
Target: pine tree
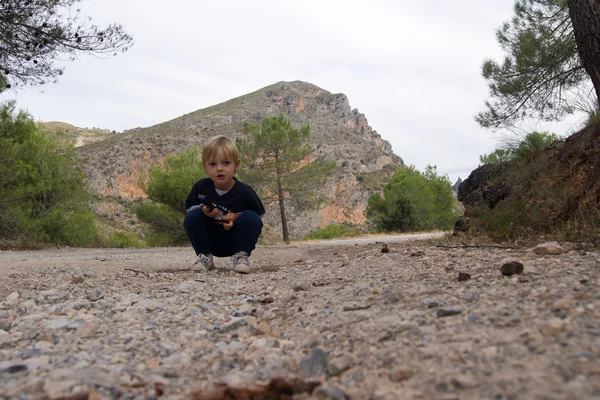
34, 34
541, 74
276, 161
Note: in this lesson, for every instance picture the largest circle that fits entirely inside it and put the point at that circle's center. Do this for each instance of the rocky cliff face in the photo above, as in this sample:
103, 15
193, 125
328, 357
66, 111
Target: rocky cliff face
337, 132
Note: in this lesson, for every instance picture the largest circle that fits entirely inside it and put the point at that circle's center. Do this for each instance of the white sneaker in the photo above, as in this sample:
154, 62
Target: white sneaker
241, 263
204, 263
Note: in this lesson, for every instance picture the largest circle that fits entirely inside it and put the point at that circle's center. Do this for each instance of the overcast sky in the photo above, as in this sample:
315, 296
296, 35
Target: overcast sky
412, 67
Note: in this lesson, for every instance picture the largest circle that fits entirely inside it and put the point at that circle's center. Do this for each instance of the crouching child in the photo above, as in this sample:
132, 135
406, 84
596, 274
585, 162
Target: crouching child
223, 215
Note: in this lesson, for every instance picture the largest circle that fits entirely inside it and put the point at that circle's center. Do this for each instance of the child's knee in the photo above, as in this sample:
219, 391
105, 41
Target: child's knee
251, 217
193, 218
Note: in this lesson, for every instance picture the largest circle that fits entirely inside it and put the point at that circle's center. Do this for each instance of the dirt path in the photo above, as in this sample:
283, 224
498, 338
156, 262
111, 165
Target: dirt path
360, 322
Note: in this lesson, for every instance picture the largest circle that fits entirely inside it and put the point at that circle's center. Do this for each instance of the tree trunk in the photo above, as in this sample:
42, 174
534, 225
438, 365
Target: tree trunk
585, 17
284, 228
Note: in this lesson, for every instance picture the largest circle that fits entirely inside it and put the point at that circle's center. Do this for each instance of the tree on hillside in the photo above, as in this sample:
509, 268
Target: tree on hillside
35, 34
413, 201
542, 75
276, 161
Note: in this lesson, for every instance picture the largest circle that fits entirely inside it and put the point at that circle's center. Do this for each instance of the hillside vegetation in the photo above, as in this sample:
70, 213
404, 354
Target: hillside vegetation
554, 193
75, 135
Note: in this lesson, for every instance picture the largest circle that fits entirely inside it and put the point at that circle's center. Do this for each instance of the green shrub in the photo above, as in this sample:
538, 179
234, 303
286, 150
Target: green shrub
167, 186
517, 147
44, 196
123, 240
165, 224
171, 182
331, 231
413, 201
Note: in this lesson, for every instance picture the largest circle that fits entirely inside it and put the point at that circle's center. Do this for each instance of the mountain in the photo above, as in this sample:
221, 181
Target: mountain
337, 132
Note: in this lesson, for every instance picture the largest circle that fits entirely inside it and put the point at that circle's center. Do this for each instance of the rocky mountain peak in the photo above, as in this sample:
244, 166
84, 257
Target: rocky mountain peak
337, 132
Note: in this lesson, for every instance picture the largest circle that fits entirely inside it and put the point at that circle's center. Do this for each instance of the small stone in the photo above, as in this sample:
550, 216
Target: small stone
148, 305
562, 304
511, 268
400, 374
463, 276
339, 365
95, 295
4, 338
430, 303
87, 329
5, 324
553, 327
302, 286
548, 248
237, 323
77, 280
463, 382
578, 311
385, 249
490, 352
315, 364
448, 311
12, 299
186, 287
328, 393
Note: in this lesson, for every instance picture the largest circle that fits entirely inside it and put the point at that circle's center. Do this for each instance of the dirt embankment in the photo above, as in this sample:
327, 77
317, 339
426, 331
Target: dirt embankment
338, 320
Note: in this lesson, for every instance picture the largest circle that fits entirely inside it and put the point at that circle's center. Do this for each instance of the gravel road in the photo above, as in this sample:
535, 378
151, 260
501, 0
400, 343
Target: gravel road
371, 318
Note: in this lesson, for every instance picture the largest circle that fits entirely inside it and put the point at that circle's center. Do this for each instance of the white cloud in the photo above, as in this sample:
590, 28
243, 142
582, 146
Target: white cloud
413, 68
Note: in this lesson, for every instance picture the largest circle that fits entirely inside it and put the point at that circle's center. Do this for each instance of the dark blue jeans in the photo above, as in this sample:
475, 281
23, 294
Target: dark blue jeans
207, 236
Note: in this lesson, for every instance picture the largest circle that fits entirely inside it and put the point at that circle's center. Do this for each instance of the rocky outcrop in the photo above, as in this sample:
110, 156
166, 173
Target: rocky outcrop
456, 185
478, 187
337, 132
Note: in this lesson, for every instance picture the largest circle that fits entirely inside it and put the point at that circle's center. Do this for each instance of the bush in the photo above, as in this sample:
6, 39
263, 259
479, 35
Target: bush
43, 196
414, 201
517, 148
165, 224
124, 240
171, 182
167, 187
331, 231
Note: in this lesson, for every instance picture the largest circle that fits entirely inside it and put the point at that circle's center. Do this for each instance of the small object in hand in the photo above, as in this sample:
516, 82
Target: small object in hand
385, 249
205, 202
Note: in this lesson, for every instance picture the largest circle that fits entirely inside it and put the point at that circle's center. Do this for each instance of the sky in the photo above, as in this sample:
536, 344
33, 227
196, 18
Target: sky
412, 67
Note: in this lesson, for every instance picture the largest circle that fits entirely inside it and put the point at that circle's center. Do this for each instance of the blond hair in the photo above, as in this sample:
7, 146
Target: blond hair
220, 143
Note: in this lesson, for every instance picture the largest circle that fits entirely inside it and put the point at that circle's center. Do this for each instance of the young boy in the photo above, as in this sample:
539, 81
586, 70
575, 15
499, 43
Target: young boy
224, 215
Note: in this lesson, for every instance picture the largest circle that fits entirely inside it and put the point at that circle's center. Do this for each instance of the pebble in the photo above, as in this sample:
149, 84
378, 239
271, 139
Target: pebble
463, 276
401, 373
448, 311
553, 327
315, 364
511, 268
548, 248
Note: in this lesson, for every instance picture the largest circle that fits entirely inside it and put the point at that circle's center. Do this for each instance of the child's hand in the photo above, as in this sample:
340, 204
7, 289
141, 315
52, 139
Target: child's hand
212, 213
228, 220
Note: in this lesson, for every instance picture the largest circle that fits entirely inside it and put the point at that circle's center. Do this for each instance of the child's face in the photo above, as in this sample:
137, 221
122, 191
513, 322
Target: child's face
221, 170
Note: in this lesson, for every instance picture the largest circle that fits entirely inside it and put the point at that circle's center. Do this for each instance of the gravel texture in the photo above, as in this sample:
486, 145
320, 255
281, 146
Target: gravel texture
322, 320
